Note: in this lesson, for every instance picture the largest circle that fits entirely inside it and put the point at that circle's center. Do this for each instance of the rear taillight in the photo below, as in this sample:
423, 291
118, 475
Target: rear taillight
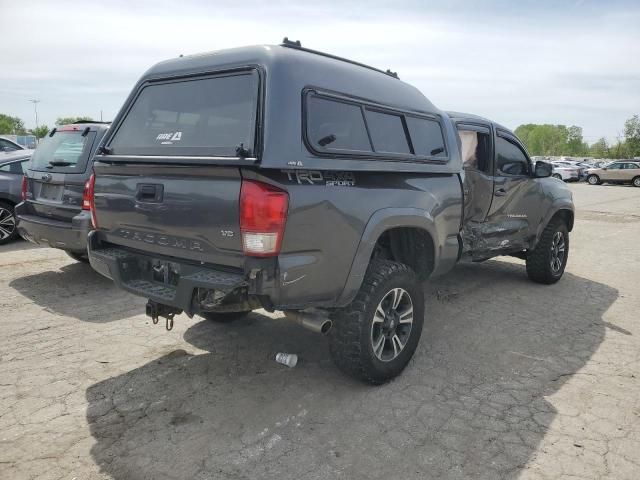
263, 214
24, 187
88, 199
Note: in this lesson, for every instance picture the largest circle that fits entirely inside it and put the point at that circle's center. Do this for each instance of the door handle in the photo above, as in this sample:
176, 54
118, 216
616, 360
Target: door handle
501, 192
149, 192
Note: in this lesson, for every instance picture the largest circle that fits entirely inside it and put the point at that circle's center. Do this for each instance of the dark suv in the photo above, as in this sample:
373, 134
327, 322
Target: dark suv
287, 179
54, 212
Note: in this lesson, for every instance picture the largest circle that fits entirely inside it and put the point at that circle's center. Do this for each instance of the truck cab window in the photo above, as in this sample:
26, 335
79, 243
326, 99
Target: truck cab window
475, 150
510, 159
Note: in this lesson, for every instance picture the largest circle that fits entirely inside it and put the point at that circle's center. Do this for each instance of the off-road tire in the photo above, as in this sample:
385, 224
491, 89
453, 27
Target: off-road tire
636, 182
539, 259
350, 337
78, 257
224, 317
7, 207
593, 180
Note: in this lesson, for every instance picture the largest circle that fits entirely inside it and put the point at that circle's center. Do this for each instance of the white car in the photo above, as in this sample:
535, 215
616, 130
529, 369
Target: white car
579, 166
566, 174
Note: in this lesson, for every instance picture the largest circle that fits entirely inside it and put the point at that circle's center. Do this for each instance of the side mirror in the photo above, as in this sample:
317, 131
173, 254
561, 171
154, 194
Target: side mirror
543, 169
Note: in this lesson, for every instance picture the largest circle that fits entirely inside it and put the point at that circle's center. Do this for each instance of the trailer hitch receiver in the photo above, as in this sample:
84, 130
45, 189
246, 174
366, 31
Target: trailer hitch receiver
156, 310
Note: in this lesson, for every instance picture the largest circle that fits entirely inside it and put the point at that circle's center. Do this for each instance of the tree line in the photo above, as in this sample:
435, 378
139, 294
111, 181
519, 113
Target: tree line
553, 140
15, 126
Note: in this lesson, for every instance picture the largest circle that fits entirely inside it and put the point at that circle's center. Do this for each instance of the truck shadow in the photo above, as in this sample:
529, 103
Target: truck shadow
470, 405
74, 290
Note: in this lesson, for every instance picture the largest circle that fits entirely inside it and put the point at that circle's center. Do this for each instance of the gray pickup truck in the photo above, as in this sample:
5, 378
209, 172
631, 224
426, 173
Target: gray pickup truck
284, 178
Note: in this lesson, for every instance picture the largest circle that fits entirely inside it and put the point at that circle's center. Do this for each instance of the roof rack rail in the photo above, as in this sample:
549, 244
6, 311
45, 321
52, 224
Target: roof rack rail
88, 121
296, 44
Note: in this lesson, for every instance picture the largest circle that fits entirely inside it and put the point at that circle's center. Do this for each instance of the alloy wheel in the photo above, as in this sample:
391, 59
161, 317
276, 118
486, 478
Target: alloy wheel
7, 223
392, 323
558, 248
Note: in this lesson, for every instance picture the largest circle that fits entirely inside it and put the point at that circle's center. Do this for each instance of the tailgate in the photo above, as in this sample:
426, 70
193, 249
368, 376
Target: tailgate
184, 211
56, 196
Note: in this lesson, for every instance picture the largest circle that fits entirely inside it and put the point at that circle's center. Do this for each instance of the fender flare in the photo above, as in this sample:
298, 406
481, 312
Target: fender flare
381, 221
557, 206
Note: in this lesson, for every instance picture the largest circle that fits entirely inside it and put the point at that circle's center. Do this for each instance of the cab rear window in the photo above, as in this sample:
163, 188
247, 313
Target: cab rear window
211, 116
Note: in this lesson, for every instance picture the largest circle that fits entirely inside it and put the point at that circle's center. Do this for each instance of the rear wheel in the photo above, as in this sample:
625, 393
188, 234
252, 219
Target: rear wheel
224, 317
78, 257
636, 182
557, 175
546, 263
593, 180
8, 230
374, 337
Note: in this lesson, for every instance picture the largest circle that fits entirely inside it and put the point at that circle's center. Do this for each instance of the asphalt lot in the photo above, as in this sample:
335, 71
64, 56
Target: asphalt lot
511, 379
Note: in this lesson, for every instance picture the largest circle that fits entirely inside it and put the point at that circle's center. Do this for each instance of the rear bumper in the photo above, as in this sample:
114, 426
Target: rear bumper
165, 280
54, 233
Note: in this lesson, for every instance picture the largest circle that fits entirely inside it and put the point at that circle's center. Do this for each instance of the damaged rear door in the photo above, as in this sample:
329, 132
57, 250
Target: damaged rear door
476, 146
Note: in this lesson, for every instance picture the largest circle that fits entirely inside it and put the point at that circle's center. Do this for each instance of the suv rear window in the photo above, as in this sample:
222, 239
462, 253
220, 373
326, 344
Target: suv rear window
66, 151
205, 117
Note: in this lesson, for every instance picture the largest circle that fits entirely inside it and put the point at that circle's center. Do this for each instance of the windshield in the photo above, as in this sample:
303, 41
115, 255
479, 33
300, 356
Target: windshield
210, 116
65, 151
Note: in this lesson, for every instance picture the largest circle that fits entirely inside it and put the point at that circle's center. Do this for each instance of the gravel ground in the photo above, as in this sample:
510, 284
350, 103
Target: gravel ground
511, 379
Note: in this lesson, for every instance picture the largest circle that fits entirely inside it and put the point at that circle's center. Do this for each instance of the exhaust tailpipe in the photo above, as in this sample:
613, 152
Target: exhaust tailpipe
310, 320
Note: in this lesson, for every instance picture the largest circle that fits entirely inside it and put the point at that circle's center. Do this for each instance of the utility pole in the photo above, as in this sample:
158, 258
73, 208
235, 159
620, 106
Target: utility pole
35, 109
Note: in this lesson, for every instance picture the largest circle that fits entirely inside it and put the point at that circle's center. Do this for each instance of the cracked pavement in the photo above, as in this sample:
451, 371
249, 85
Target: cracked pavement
511, 379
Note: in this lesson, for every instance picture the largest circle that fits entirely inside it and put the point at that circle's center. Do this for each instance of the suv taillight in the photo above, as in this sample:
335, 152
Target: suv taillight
24, 187
263, 214
88, 199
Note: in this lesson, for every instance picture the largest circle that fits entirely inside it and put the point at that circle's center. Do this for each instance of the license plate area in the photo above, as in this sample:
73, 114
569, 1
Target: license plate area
164, 272
49, 192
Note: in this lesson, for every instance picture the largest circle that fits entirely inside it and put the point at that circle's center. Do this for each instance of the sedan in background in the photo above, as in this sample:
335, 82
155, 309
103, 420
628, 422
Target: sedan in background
8, 146
579, 166
11, 174
567, 174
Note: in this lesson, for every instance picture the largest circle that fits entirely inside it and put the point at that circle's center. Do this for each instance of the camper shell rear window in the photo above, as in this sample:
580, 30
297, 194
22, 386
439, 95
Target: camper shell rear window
201, 116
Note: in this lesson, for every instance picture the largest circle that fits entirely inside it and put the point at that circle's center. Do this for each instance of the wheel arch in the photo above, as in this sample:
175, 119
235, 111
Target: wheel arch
407, 235
566, 215
8, 200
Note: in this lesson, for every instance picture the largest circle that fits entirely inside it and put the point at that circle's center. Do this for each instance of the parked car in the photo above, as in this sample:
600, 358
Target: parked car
566, 174
577, 166
54, 212
11, 173
626, 171
7, 146
283, 178
23, 141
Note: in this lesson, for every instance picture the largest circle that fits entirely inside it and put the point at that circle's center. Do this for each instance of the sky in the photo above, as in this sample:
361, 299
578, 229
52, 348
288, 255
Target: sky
571, 63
